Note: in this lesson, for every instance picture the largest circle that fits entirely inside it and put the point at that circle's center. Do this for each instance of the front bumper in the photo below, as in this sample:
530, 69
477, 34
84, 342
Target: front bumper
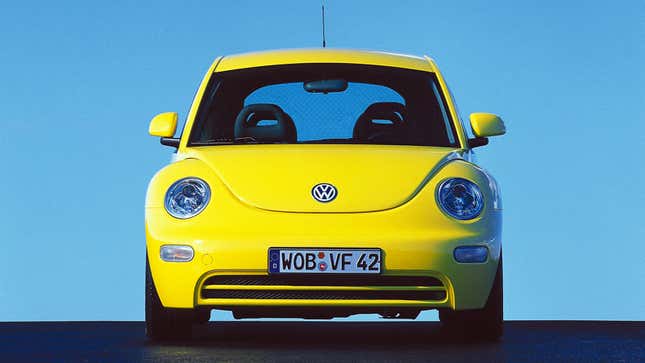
237, 245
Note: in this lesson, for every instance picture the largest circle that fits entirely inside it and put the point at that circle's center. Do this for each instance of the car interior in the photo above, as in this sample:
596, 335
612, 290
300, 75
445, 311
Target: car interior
263, 122
227, 116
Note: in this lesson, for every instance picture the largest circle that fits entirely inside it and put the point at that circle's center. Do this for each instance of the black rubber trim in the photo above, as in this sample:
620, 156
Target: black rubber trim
477, 142
324, 295
169, 141
323, 280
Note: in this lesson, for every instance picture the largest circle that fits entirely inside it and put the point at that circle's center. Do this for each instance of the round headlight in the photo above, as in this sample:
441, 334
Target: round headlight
187, 197
460, 198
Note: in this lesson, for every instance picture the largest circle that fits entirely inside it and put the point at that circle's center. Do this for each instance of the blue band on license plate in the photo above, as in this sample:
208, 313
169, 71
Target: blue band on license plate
335, 260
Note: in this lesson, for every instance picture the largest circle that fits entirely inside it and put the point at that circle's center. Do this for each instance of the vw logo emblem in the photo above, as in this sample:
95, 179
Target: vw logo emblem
324, 192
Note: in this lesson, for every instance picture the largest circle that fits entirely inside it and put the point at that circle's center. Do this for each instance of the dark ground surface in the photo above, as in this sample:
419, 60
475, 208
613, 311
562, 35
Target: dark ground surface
524, 341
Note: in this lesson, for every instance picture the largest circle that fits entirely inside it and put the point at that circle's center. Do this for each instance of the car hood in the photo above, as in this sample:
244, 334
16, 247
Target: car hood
281, 177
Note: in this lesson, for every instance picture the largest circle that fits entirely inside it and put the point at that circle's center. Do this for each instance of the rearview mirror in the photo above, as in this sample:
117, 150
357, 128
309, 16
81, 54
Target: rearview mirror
486, 124
326, 86
164, 125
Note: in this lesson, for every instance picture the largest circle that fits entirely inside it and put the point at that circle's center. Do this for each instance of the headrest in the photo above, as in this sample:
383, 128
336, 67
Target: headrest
391, 111
384, 110
247, 124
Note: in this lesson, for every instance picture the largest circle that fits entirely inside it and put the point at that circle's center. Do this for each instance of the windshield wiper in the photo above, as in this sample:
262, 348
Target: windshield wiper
227, 141
330, 141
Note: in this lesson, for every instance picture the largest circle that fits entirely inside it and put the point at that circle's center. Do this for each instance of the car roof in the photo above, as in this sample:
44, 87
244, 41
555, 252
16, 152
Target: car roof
322, 55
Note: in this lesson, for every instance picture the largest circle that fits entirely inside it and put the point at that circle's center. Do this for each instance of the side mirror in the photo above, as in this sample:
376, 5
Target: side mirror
485, 125
164, 125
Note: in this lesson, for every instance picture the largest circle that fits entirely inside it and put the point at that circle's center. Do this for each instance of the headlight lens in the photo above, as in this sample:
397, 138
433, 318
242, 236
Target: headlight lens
460, 198
187, 197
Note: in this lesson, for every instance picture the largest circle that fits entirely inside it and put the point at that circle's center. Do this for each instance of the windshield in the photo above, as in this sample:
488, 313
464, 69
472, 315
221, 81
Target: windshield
323, 103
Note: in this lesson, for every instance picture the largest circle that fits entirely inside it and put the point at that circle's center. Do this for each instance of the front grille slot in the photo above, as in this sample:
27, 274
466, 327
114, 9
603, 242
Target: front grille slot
323, 280
323, 287
324, 295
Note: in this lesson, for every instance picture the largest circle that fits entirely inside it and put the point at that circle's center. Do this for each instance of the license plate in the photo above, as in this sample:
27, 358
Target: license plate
337, 260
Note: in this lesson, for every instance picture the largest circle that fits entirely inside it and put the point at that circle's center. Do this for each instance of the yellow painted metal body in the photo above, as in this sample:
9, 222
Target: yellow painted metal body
163, 125
487, 124
260, 198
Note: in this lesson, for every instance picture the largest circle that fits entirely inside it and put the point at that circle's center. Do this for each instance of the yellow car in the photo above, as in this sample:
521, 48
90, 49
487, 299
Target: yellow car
322, 183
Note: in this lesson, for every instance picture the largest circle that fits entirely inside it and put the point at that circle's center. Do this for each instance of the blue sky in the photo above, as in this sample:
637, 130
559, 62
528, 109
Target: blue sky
79, 83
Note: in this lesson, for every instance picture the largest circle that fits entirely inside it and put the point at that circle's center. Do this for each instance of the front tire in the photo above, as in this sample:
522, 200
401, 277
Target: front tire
484, 324
164, 323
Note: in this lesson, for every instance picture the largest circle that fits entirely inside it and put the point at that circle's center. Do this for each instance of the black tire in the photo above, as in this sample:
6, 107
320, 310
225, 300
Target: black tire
202, 315
481, 324
164, 323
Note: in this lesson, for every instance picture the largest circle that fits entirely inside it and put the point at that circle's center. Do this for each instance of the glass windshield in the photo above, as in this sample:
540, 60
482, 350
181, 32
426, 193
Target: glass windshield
323, 103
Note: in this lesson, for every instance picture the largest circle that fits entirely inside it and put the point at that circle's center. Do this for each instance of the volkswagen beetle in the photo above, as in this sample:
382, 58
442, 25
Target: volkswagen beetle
322, 183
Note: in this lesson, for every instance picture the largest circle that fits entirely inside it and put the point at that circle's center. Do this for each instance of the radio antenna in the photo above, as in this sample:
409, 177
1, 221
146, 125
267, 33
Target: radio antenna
324, 44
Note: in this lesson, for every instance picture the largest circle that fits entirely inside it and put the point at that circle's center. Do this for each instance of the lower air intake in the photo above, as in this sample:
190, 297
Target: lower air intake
324, 295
